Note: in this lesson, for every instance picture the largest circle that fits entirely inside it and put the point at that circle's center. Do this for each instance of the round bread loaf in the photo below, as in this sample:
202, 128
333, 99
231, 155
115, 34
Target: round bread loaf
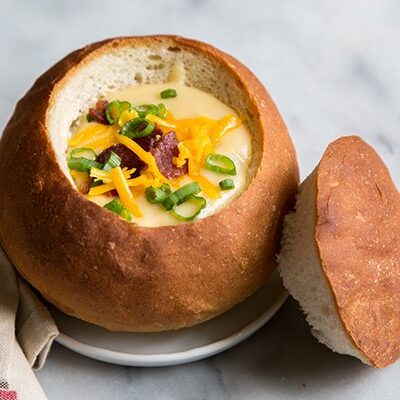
98, 267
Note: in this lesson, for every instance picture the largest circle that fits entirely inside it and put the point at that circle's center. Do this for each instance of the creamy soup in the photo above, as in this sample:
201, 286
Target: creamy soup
210, 145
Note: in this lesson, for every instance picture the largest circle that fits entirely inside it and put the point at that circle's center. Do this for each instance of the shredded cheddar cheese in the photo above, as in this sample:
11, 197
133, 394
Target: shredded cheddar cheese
101, 189
126, 116
91, 131
162, 123
207, 187
223, 126
134, 182
212, 191
97, 137
143, 155
104, 176
125, 194
78, 174
197, 138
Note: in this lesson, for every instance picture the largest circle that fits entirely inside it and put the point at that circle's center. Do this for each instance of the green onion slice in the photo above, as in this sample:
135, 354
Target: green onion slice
125, 105
180, 195
156, 195
227, 184
113, 161
96, 183
83, 152
158, 110
126, 214
220, 163
83, 164
144, 109
115, 109
195, 205
168, 93
166, 188
83, 159
137, 127
116, 207
162, 110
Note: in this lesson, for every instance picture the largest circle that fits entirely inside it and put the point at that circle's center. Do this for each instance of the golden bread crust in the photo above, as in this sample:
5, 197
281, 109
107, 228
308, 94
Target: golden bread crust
102, 269
357, 233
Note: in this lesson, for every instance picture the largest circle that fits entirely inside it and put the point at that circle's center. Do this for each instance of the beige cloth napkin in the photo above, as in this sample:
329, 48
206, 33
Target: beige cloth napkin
27, 331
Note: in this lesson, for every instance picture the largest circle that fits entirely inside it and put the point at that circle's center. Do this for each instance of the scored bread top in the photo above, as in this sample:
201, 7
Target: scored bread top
357, 235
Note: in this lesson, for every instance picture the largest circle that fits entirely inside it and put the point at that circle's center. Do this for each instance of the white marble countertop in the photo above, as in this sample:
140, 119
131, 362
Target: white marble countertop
332, 67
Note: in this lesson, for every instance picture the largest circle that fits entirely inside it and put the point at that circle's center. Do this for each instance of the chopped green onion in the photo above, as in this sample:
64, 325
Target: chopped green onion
198, 202
89, 118
156, 195
166, 188
115, 109
126, 214
162, 110
96, 183
125, 105
220, 163
137, 127
82, 164
83, 159
116, 207
158, 110
180, 195
83, 152
226, 184
144, 109
113, 161
168, 93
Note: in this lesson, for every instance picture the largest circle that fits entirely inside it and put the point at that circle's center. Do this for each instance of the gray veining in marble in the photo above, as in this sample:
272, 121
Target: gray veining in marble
332, 67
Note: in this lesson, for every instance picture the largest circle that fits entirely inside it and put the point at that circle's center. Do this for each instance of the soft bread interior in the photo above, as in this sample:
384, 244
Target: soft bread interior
120, 66
302, 274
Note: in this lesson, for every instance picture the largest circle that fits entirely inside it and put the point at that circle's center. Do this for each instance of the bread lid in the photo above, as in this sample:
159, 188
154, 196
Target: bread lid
341, 253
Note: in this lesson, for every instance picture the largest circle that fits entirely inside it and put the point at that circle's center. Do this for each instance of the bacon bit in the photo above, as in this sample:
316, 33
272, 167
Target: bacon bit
163, 148
128, 158
148, 142
98, 114
164, 151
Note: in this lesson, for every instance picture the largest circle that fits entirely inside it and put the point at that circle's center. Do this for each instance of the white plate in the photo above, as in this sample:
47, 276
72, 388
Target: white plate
173, 347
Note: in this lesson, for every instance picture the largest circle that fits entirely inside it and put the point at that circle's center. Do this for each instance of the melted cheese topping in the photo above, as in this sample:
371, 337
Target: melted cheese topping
190, 103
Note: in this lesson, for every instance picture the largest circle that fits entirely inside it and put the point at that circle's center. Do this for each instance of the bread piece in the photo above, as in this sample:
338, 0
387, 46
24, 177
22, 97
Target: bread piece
340, 254
94, 265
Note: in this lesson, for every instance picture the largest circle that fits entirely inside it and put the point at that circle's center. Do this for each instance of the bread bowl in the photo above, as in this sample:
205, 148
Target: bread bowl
128, 276
340, 253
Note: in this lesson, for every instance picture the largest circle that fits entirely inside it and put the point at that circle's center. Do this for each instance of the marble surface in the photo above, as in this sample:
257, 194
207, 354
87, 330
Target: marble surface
332, 67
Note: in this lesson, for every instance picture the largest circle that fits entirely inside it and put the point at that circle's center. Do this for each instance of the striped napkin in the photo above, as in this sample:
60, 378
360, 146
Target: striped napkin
27, 331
